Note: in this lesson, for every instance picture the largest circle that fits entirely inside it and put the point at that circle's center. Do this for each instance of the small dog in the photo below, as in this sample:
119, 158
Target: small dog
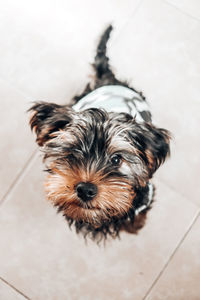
101, 152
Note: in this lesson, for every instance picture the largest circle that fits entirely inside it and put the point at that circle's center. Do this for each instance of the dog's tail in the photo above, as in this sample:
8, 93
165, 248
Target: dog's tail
101, 64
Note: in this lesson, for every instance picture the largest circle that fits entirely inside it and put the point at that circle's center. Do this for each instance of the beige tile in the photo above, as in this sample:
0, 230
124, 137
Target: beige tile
48, 45
180, 281
189, 7
162, 59
48, 261
8, 293
45, 51
16, 145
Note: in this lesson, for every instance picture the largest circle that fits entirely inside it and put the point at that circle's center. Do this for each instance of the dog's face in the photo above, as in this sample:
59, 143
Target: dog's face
96, 160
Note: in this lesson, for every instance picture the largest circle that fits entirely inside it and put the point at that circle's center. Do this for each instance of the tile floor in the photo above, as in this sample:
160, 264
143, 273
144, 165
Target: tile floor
46, 48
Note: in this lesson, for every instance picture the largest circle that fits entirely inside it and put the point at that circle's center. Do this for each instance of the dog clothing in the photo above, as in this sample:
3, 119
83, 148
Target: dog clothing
116, 98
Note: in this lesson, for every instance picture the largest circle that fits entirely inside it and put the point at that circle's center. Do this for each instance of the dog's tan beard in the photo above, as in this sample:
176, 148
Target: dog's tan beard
114, 198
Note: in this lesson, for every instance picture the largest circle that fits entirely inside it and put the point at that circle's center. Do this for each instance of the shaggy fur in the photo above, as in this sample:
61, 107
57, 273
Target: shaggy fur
110, 153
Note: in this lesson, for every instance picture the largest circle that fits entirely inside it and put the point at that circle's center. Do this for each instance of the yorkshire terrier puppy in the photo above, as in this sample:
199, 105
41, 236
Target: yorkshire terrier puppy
101, 152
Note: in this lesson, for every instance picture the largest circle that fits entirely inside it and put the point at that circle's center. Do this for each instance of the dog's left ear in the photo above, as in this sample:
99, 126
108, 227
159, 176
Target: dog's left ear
157, 149
152, 144
47, 118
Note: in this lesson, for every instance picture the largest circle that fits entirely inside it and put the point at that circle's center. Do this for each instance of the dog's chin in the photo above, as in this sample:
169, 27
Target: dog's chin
88, 214
86, 205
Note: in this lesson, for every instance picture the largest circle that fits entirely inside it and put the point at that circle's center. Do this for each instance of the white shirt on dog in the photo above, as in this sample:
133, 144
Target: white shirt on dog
116, 98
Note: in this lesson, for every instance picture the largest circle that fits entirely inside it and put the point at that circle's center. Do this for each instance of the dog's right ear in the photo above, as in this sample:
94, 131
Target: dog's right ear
47, 118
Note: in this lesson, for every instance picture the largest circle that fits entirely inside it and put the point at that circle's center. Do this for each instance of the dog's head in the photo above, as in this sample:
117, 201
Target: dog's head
96, 160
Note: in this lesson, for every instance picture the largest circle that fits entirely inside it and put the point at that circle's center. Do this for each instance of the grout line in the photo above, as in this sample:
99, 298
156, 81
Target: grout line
172, 255
18, 176
14, 288
182, 11
23, 92
163, 181
15, 88
127, 22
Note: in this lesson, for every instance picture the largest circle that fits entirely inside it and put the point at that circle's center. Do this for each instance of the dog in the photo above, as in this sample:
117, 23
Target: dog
101, 153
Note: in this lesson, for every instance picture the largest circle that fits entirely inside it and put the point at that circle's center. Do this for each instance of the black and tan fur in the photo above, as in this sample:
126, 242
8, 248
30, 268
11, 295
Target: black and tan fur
94, 146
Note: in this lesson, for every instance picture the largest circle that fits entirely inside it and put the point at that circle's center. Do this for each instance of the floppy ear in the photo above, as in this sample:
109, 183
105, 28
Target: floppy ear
156, 146
47, 118
152, 144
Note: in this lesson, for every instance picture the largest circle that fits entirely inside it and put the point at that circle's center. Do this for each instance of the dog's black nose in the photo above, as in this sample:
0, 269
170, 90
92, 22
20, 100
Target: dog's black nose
86, 190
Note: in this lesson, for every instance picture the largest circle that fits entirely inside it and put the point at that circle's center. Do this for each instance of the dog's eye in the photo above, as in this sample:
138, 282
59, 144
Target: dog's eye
116, 159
